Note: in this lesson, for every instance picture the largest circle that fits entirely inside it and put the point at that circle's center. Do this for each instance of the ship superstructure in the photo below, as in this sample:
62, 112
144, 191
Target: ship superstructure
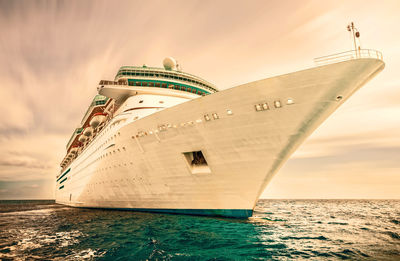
159, 139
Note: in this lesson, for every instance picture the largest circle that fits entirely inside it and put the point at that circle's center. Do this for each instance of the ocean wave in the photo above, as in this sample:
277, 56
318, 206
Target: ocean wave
287, 229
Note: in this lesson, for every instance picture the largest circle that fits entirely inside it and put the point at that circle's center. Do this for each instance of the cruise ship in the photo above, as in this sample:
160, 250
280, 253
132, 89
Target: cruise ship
163, 140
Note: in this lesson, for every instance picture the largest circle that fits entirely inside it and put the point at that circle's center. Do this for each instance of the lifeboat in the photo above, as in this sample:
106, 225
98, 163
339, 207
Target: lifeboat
97, 119
82, 138
88, 132
74, 149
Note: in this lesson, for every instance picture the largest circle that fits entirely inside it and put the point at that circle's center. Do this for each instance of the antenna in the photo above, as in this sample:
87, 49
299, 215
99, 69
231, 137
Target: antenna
356, 34
178, 66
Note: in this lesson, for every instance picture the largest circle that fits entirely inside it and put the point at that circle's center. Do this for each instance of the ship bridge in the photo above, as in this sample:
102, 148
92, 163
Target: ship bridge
162, 78
169, 77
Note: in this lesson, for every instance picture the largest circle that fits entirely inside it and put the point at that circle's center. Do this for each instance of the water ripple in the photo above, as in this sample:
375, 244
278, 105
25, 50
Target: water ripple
280, 229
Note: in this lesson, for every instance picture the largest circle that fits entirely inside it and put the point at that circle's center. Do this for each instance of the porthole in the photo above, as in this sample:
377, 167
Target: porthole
141, 101
215, 116
229, 112
277, 104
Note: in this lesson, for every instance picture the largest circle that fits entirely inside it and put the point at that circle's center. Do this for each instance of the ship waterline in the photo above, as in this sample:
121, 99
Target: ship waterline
168, 150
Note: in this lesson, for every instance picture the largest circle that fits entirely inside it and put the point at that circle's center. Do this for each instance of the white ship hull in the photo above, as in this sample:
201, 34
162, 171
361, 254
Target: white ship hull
244, 149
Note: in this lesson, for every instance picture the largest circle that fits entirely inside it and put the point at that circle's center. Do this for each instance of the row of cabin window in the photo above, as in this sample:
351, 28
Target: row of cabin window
163, 75
100, 102
165, 85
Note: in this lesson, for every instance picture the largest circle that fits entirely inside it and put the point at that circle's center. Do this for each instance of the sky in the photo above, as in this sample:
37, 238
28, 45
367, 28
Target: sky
53, 54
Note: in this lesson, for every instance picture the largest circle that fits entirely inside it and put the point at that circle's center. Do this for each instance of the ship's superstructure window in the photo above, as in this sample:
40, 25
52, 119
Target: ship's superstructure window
169, 85
156, 72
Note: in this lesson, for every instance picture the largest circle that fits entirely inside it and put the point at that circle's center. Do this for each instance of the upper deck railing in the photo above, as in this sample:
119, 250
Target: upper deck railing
349, 55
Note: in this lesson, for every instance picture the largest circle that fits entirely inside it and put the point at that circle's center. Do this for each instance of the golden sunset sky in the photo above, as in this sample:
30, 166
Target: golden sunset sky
53, 54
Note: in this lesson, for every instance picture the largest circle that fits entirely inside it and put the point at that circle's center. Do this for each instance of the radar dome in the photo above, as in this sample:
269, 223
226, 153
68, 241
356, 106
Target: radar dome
169, 63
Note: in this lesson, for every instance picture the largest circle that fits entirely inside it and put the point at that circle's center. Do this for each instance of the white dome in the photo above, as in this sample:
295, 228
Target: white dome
169, 63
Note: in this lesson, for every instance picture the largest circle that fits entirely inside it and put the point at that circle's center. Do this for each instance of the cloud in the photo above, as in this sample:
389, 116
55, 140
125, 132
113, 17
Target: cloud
319, 146
18, 114
23, 163
32, 186
34, 155
354, 172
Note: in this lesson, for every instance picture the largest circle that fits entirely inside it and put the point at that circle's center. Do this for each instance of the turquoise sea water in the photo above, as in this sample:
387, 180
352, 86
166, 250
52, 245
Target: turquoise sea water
279, 230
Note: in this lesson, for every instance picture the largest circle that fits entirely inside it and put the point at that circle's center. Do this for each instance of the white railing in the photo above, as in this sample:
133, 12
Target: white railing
349, 55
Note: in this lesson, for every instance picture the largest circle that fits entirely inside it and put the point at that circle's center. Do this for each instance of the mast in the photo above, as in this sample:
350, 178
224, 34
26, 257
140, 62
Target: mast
356, 34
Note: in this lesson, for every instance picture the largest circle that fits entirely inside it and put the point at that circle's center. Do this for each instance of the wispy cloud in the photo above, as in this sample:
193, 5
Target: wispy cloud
23, 163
